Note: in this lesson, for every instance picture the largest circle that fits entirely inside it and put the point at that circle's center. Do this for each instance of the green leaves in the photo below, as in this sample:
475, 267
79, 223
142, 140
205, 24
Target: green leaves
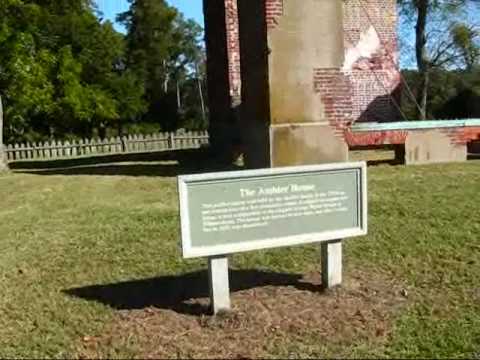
164, 51
445, 38
64, 73
466, 40
57, 69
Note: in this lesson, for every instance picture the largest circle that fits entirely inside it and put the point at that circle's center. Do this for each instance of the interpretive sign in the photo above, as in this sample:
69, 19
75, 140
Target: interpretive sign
230, 212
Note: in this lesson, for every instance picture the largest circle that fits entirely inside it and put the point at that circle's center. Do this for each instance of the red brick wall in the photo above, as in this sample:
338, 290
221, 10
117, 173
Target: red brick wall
374, 75
274, 10
374, 138
463, 135
460, 136
231, 13
362, 89
361, 14
336, 91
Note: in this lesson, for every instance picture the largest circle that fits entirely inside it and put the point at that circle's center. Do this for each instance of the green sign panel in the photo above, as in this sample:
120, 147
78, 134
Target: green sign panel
224, 213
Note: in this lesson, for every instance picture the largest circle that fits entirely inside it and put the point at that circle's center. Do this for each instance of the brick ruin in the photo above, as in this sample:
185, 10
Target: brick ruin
370, 70
289, 79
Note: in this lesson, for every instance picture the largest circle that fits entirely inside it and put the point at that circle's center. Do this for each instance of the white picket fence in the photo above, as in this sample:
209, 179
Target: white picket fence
119, 145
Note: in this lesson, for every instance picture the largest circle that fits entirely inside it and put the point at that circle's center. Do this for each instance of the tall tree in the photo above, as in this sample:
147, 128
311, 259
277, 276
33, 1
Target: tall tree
428, 52
149, 39
466, 39
62, 70
66, 73
163, 50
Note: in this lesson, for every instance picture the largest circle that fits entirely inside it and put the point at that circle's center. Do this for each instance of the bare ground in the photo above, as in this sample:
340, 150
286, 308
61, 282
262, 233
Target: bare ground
266, 321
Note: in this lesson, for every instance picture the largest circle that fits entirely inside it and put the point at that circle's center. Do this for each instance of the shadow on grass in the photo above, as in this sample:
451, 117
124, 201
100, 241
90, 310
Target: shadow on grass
159, 164
391, 162
167, 164
175, 292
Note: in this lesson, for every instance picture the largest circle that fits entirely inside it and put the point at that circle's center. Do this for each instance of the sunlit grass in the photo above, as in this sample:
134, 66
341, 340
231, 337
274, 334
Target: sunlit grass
64, 232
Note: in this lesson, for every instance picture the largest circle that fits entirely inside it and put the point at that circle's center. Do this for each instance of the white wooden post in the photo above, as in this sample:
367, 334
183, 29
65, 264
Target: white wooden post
165, 143
29, 150
74, 151
147, 143
54, 152
219, 284
67, 149
34, 150
10, 154
135, 146
331, 264
172, 141
118, 145
46, 150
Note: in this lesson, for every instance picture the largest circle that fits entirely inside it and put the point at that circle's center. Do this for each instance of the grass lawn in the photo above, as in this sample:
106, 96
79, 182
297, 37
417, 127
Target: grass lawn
61, 232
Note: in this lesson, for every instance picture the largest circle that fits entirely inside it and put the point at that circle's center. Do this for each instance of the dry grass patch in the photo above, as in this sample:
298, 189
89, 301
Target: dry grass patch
266, 321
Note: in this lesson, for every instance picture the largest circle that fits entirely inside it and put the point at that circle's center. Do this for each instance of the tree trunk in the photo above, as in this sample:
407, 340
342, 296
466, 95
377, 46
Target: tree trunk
425, 83
1, 124
166, 78
179, 99
202, 100
200, 92
421, 55
3, 162
119, 128
165, 85
102, 130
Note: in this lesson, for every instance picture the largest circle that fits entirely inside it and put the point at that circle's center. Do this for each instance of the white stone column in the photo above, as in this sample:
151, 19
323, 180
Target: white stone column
219, 284
331, 263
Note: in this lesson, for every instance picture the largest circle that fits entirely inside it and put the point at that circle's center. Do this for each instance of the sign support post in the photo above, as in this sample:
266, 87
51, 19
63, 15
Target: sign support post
219, 284
331, 263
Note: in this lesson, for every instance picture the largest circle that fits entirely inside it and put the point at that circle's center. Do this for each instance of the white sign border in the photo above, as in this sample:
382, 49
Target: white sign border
262, 244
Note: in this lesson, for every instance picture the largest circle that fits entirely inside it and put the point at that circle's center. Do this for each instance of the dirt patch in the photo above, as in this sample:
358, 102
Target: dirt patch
263, 317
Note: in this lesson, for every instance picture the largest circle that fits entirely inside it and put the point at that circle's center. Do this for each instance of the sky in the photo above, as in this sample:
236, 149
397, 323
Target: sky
191, 8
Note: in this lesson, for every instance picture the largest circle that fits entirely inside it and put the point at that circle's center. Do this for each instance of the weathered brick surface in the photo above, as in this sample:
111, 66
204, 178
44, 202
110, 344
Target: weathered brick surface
460, 136
376, 138
365, 89
372, 58
463, 135
361, 15
231, 13
335, 88
273, 11
362, 89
